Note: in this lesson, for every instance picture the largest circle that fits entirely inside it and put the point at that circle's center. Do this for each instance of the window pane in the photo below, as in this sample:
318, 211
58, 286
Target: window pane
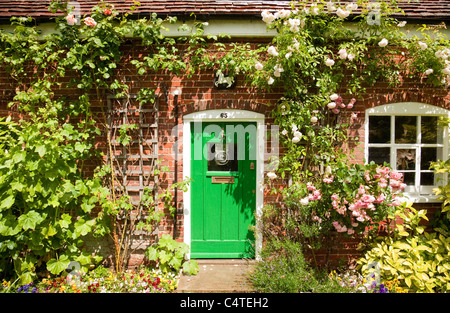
409, 178
429, 129
379, 129
405, 129
406, 159
379, 155
220, 159
427, 179
428, 155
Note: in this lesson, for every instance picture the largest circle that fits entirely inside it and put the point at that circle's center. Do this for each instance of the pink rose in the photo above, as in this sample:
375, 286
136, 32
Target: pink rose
368, 198
89, 21
396, 175
334, 197
395, 184
310, 187
328, 180
71, 20
361, 190
382, 183
380, 198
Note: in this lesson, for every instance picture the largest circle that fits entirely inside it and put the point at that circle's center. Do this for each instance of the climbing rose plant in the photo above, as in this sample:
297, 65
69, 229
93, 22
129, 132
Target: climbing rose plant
324, 67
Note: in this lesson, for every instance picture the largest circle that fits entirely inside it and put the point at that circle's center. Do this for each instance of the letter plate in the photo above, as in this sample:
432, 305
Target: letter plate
222, 180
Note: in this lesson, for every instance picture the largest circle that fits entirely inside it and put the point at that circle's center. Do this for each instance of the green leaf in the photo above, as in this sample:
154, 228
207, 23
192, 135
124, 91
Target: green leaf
57, 266
27, 277
175, 263
8, 202
7, 244
190, 267
65, 220
83, 227
164, 257
152, 254
49, 231
30, 220
40, 149
408, 281
80, 147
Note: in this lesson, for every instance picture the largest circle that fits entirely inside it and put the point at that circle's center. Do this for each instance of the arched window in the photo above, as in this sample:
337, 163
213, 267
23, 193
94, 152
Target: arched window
408, 137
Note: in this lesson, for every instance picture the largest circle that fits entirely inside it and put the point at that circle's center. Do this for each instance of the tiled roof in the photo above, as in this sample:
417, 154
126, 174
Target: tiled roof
421, 9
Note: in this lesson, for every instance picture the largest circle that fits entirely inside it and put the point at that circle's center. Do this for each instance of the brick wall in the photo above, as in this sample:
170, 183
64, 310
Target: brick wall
198, 93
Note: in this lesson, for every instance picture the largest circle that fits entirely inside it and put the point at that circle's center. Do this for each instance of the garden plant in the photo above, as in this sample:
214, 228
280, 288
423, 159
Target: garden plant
49, 205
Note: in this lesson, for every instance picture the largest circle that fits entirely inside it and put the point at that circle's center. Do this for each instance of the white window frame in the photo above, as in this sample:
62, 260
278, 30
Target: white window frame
417, 193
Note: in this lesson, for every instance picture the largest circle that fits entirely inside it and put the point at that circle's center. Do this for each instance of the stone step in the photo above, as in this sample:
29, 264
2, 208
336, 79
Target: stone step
218, 276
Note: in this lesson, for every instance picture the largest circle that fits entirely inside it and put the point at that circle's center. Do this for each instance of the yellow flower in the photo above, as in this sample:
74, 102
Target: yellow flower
74, 286
62, 288
44, 281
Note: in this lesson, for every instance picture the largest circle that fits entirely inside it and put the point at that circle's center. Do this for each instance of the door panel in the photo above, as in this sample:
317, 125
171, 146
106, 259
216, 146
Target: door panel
223, 190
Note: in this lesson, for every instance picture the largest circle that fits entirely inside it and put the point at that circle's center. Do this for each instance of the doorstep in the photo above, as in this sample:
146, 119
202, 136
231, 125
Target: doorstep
218, 276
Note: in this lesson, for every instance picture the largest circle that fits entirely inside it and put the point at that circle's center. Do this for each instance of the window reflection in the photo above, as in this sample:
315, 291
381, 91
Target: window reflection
428, 155
379, 155
379, 129
405, 129
429, 129
427, 179
406, 159
409, 178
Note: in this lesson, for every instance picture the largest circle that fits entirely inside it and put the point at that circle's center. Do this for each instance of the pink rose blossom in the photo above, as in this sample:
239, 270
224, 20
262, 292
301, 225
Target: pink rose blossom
71, 20
382, 183
396, 175
380, 198
341, 210
89, 21
361, 190
328, 180
310, 187
368, 198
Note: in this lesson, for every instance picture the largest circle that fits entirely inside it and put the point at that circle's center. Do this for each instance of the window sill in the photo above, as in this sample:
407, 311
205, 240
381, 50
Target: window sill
420, 198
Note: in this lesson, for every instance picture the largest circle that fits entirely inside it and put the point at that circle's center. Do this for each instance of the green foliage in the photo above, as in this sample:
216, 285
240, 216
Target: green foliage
419, 260
442, 168
283, 269
45, 203
171, 255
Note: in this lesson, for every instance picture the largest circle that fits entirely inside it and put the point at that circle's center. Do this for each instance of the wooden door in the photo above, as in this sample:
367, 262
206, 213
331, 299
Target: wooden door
223, 170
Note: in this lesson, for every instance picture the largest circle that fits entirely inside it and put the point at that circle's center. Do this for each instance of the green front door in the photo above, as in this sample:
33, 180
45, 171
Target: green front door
223, 170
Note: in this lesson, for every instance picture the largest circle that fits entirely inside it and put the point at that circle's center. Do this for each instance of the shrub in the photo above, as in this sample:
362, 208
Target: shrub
285, 270
417, 259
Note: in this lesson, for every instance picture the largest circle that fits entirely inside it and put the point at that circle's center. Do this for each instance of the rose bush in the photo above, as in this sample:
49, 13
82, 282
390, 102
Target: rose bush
310, 58
349, 199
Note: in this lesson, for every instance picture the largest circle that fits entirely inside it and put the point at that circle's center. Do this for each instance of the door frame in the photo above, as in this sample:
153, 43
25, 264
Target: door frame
232, 116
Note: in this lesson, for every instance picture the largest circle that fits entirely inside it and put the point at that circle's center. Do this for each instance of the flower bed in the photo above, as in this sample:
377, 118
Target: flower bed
101, 280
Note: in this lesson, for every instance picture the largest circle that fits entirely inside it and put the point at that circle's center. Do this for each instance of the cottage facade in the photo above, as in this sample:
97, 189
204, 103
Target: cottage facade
196, 116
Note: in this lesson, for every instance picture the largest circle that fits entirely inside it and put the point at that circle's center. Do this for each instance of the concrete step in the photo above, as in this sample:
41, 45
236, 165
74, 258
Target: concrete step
218, 276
